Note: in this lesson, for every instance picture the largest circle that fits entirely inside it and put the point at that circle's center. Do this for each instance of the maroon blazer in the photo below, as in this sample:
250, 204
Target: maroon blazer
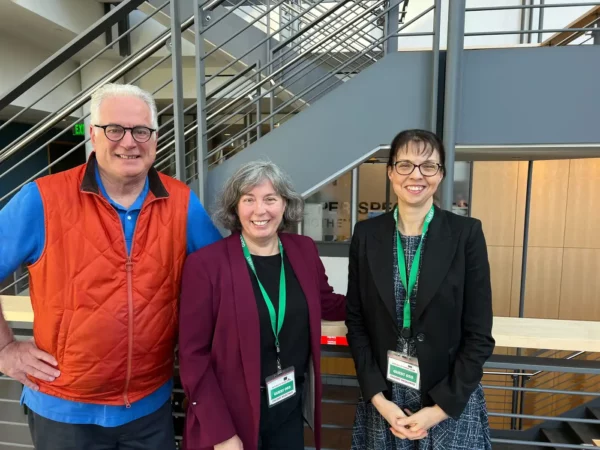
219, 339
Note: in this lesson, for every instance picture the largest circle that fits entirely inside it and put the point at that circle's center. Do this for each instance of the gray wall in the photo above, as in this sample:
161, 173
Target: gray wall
530, 96
343, 126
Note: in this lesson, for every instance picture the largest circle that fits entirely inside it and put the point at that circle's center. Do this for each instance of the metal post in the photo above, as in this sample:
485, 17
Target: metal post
596, 34
15, 278
471, 170
124, 42
525, 239
530, 25
392, 19
176, 61
522, 27
515, 402
387, 192
541, 21
435, 72
258, 113
523, 382
201, 144
354, 200
108, 33
456, 37
270, 66
247, 122
524, 271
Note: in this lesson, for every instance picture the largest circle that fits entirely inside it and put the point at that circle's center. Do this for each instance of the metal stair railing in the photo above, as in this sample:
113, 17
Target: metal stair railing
340, 40
235, 110
64, 112
328, 42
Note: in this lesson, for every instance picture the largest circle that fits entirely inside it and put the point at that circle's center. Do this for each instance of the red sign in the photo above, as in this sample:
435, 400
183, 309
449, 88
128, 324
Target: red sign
334, 340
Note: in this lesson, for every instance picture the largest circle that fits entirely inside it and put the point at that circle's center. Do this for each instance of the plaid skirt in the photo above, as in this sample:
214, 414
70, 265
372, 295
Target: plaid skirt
470, 432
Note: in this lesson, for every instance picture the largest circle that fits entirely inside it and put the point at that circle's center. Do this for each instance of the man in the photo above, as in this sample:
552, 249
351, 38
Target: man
105, 243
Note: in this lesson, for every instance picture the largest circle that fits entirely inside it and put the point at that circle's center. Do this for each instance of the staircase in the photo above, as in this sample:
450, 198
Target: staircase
576, 433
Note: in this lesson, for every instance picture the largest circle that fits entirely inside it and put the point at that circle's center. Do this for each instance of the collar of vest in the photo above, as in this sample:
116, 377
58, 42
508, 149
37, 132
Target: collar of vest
89, 183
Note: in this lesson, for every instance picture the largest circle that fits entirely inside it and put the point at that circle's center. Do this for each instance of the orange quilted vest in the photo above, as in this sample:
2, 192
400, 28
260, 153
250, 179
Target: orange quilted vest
109, 320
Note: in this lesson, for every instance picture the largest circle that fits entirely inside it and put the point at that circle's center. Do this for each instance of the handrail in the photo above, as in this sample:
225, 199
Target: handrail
83, 98
70, 49
22, 161
272, 114
83, 65
261, 42
272, 75
311, 26
68, 152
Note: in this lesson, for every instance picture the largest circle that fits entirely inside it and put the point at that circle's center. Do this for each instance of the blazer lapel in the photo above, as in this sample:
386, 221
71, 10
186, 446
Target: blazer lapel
380, 256
302, 270
436, 260
247, 321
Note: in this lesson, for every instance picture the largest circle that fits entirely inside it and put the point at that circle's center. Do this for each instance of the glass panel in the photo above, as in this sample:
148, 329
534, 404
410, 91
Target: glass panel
372, 178
327, 212
462, 183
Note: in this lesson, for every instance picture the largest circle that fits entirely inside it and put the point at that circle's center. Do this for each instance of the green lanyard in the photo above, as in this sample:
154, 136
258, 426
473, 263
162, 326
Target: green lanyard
276, 323
414, 268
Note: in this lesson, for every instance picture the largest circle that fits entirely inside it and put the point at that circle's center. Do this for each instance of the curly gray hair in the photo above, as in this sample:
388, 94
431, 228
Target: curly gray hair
244, 180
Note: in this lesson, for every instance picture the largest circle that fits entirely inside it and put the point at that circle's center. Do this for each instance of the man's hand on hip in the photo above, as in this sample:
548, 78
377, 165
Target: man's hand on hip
21, 358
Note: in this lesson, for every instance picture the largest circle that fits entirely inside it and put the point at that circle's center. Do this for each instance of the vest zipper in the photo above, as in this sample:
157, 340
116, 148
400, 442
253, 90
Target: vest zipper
129, 271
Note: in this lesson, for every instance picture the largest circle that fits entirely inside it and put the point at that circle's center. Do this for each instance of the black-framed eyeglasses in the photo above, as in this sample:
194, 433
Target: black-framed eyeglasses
427, 169
115, 133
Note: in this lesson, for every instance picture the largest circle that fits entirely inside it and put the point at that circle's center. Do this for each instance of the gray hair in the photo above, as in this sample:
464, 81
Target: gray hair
244, 180
121, 90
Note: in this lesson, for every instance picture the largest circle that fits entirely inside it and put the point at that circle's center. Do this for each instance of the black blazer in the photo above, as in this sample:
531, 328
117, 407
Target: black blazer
453, 318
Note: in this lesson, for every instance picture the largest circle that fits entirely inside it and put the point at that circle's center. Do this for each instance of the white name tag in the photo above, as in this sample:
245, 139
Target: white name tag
404, 370
281, 386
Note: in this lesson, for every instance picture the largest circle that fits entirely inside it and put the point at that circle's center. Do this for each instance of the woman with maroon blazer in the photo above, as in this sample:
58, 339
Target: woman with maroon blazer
250, 322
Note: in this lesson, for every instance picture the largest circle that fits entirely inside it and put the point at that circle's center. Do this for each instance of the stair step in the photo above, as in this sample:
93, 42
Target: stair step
10, 389
594, 413
587, 432
12, 412
331, 438
339, 414
558, 436
341, 394
517, 447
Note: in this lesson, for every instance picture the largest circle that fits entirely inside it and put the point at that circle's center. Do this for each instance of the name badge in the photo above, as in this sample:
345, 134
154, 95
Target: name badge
404, 370
281, 386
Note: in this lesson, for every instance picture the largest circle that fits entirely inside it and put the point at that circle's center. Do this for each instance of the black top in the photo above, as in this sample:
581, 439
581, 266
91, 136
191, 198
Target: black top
294, 338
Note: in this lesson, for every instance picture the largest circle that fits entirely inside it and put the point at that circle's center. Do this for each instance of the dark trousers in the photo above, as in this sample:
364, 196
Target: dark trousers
281, 427
152, 432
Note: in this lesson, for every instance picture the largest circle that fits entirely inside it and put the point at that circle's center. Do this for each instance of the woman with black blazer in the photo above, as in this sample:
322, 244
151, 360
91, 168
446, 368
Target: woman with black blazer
419, 357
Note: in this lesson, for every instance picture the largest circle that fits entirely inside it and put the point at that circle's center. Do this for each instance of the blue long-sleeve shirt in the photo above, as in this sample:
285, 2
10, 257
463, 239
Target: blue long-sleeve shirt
22, 239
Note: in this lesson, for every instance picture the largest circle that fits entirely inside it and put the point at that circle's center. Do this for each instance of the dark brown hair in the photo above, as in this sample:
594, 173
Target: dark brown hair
427, 142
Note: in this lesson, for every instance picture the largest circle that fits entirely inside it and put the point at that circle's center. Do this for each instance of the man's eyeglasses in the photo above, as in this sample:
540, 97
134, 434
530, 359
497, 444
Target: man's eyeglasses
427, 169
116, 132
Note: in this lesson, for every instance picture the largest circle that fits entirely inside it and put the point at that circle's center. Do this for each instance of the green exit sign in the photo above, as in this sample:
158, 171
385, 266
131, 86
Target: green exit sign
79, 129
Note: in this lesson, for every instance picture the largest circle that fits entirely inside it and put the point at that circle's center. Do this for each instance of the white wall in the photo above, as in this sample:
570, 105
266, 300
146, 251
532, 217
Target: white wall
560, 17
337, 272
74, 15
149, 31
160, 75
19, 58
